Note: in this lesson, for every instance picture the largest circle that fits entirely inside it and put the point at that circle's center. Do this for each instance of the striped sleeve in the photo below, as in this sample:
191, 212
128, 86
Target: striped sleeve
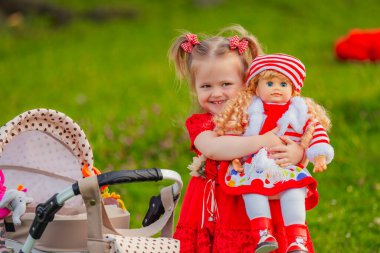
320, 145
319, 135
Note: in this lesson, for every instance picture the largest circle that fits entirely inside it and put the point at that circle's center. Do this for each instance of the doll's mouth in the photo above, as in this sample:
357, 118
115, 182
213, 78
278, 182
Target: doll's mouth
276, 94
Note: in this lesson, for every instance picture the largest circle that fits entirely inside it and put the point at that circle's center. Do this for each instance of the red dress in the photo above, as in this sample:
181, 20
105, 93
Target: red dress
230, 230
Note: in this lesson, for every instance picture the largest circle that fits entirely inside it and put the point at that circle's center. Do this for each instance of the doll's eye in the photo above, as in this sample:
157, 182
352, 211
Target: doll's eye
270, 84
283, 84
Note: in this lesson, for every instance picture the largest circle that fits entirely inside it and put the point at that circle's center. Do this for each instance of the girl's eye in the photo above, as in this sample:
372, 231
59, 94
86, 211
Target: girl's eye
205, 86
227, 84
283, 84
270, 84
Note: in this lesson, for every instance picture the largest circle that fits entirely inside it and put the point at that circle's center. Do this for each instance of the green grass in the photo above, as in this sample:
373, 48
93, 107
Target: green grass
114, 79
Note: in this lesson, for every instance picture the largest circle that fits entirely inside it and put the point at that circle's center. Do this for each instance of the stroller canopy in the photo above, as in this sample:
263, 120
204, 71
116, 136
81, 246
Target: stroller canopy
44, 150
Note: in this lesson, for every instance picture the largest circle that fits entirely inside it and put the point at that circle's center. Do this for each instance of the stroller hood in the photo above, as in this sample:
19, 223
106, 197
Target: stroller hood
44, 150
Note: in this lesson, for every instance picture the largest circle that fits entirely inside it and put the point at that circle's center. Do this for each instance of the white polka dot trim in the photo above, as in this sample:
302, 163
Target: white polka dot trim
54, 123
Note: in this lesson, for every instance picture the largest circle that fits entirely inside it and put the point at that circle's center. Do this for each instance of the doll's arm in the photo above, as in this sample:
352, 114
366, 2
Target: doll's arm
229, 147
320, 152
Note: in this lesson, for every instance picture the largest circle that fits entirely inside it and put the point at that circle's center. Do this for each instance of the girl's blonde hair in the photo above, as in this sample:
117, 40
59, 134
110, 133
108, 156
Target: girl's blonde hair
212, 46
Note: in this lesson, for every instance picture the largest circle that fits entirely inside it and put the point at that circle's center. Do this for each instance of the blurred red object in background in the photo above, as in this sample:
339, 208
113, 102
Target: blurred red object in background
359, 45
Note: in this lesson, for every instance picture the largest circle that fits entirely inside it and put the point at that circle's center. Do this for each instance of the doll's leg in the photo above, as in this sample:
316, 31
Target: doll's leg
294, 215
236, 164
258, 211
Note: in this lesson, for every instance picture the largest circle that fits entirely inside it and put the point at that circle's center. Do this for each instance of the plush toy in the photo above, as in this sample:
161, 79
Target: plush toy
15, 201
12, 200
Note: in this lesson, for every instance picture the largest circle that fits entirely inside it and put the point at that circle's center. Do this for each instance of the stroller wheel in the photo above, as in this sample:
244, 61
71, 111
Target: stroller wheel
156, 209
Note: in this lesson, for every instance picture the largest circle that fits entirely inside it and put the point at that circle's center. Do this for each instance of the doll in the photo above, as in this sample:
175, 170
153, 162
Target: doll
272, 100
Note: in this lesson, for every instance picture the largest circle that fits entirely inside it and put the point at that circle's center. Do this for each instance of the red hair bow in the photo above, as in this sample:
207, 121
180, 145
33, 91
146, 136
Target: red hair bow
241, 45
192, 40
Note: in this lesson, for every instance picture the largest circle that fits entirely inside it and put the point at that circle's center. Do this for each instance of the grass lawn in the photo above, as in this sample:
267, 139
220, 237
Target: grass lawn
114, 79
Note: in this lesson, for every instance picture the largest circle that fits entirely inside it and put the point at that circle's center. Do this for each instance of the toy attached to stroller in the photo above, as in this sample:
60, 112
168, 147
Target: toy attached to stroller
45, 150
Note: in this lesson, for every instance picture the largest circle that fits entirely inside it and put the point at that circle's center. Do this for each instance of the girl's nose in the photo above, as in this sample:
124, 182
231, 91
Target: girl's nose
217, 92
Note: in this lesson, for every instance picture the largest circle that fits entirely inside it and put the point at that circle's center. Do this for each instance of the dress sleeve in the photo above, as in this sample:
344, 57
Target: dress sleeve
196, 124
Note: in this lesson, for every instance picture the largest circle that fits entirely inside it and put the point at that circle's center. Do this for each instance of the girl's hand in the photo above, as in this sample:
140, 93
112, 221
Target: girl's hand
289, 153
271, 139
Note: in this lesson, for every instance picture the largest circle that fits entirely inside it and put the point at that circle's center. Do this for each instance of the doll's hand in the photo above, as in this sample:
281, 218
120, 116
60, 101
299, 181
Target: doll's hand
289, 153
320, 164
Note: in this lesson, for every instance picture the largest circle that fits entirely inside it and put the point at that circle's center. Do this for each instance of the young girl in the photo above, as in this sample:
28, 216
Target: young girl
272, 99
211, 221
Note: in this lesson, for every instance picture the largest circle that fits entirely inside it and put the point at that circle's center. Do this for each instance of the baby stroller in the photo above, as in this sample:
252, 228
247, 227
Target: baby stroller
45, 151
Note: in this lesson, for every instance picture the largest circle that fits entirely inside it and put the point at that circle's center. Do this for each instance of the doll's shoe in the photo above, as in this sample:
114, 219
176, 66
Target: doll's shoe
267, 242
297, 234
297, 247
261, 232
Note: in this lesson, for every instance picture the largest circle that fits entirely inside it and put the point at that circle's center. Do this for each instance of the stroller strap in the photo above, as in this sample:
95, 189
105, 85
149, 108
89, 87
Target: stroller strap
97, 219
164, 224
89, 189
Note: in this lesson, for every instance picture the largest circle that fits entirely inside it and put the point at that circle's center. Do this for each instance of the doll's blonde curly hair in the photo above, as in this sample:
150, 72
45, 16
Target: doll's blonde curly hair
234, 118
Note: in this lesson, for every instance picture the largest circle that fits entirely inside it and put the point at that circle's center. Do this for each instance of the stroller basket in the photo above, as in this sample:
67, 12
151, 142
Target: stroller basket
45, 212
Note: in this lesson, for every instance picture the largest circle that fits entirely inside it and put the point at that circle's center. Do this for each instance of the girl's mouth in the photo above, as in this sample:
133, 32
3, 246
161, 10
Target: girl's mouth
217, 102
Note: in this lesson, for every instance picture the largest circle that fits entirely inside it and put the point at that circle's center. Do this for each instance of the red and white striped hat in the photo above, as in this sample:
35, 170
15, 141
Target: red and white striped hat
287, 65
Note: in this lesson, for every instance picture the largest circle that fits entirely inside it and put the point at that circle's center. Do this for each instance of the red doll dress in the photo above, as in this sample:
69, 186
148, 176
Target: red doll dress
213, 221
256, 180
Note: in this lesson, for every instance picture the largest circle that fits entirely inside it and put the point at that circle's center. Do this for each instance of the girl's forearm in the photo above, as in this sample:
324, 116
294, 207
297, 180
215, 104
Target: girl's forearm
228, 147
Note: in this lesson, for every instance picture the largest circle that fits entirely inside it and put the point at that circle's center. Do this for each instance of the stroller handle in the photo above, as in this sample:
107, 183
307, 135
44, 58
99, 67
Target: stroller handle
125, 176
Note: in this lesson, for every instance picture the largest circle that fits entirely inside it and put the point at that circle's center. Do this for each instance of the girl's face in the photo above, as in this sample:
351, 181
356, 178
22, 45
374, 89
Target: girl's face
274, 90
217, 80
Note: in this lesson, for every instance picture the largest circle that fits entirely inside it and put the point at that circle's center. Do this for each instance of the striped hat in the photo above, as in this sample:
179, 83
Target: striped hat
287, 65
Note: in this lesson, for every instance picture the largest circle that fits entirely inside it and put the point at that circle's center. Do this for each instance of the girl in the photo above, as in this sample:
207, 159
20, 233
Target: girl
272, 99
211, 221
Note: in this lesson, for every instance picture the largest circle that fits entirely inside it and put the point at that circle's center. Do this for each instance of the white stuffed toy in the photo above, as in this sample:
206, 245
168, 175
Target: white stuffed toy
15, 201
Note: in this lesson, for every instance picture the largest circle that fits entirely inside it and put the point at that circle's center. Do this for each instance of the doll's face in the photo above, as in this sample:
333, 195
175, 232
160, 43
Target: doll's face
274, 90
217, 80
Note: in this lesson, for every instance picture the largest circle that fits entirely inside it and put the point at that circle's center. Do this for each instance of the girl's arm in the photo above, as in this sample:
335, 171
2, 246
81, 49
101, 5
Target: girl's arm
228, 147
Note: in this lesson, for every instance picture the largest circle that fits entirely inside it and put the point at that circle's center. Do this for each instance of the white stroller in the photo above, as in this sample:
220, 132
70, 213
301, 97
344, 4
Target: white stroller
45, 150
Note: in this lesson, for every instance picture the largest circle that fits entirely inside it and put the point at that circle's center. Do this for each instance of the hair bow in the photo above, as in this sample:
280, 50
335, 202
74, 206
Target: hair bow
192, 40
241, 45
